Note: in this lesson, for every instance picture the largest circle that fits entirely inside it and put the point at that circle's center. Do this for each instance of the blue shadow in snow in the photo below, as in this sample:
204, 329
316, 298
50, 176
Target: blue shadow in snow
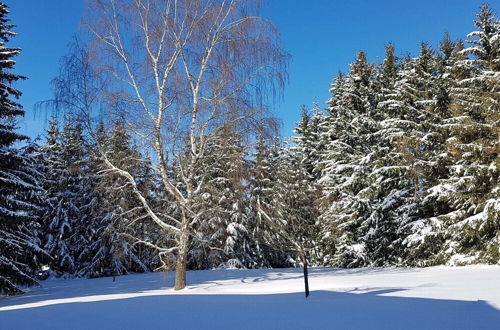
322, 310
69, 288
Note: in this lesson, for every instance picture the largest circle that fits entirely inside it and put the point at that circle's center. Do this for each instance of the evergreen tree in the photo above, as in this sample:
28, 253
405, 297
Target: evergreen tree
113, 250
347, 162
21, 254
10, 109
222, 235
408, 139
70, 217
56, 224
311, 140
297, 193
424, 235
266, 207
20, 192
410, 173
468, 194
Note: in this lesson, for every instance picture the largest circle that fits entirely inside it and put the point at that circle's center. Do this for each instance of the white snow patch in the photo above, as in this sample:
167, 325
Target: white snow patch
367, 298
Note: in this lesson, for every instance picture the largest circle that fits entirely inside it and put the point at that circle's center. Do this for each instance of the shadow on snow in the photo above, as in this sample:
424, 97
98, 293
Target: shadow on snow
323, 310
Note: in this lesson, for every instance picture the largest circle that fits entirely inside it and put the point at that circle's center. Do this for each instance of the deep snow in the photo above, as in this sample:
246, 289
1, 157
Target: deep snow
368, 298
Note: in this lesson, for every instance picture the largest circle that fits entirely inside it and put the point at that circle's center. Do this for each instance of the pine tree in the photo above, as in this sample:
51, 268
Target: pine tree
70, 217
56, 224
222, 235
424, 235
298, 224
148, 183
311, 140
408, 139
113, 250
347, 161
10, 110
265, 205
468, 219
19, 179
21, 254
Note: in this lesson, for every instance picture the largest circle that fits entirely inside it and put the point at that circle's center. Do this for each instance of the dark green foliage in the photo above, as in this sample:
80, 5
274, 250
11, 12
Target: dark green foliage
10, 109
409, 156
222, 235
265, 204
113, 249
69, 194
21, 197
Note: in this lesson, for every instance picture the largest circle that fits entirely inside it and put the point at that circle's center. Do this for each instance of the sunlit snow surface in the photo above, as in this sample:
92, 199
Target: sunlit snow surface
368, 298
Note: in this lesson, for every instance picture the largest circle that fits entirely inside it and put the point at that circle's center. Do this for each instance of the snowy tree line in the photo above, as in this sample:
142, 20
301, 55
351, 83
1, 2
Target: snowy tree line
87, 223
402, 168
407, 156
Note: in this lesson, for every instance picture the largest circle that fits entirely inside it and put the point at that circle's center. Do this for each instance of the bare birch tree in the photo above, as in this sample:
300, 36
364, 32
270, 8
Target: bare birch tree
184, 70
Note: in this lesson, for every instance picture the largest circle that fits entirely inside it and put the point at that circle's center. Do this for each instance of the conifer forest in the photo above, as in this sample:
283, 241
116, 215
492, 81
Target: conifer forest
161, 151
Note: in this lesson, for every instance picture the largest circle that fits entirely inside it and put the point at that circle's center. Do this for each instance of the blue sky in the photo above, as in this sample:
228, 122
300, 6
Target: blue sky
322, 36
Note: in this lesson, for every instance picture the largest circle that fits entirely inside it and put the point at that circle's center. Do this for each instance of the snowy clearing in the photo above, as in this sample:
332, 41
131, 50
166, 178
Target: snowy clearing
368, 298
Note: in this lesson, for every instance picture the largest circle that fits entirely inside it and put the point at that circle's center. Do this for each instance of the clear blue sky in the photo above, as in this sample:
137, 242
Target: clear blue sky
322, 36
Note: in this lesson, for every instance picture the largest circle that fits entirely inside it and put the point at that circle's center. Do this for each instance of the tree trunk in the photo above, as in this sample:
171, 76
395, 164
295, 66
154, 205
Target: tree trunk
306, 276
180, 267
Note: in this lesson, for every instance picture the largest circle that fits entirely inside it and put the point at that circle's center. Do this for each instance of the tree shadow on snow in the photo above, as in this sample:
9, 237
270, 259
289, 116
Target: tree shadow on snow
322, 310
69, 288
134, 283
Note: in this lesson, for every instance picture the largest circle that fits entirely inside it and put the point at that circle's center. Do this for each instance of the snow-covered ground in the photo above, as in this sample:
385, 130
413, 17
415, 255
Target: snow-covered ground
368, 298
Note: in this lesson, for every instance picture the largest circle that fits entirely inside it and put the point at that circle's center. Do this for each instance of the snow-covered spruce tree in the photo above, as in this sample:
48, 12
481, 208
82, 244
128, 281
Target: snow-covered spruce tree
286, 209
264, 200
20, 192
114, 236
310, 139
334, 164
378, 225
469, 194
222, 237
347, 162
408, 141
76, 91
423, 231
70, 217
56, 225
34, 165
150, 186
298, 225
376, 229
21, 254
